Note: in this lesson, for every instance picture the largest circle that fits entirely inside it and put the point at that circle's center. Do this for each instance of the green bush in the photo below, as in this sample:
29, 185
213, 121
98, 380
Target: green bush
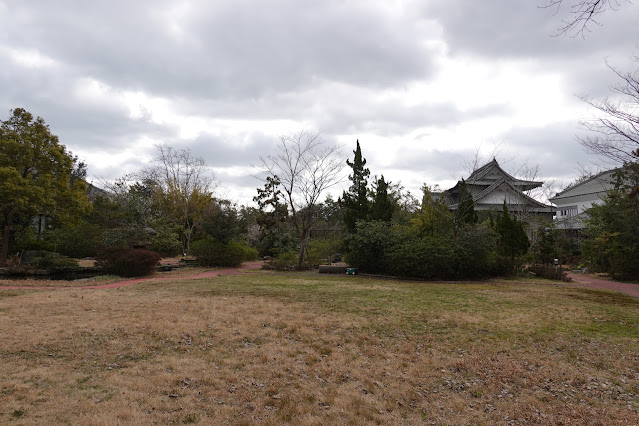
211, 252
250, 253
322, 249
125, 237
54, 262
28, 239
166, 242
380, 248
284, 262
81, 240
128, 262
549, 272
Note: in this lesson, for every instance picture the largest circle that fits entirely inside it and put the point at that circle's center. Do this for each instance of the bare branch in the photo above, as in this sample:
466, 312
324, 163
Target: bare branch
615, 122
583, 13
306, 167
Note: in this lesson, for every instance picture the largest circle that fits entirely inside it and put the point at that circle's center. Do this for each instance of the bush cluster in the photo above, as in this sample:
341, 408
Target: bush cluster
211, 252
52, 261
379, 247
128, 262
286, 261
549, 272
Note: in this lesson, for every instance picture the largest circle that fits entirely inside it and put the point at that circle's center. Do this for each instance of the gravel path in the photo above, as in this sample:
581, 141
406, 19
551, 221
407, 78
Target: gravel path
598, 283
246, 266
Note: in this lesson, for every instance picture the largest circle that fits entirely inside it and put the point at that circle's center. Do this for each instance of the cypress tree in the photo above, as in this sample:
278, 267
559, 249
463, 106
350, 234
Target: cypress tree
355, 201
382, 208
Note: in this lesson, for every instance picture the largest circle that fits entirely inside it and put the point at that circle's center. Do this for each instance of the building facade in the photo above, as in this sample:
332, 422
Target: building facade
573, 201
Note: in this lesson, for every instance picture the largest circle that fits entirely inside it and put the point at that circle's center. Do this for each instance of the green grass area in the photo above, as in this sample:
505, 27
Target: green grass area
277, 348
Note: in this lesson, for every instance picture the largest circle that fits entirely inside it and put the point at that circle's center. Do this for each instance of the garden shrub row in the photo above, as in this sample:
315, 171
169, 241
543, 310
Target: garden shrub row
381, 248
211, 252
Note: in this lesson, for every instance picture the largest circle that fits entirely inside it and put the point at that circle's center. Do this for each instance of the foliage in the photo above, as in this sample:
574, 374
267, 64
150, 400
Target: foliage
305, 166
383, 206
319, 249
126, 237
432, 217
166, 241
512, 241
250, 253
286, 261
548, 272
52, 261
354, 202
78, 240
271, 218
36, 176
211, 252
182, 189
26, 238
381, 248
465, 211
223, 221
612, 232
128, 262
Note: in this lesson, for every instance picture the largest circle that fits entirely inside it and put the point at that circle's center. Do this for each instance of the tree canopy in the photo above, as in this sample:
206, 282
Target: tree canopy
36, 175
355, 201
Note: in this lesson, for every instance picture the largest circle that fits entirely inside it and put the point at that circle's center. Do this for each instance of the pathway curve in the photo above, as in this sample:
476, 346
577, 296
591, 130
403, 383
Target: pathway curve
598, 283
246, 266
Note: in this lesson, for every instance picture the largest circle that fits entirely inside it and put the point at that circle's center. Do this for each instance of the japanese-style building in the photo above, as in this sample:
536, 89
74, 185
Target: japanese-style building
490, 186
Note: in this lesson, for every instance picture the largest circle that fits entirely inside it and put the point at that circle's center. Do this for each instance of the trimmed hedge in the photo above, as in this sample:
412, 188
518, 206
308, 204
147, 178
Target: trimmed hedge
128, 262
382, 248
211, 252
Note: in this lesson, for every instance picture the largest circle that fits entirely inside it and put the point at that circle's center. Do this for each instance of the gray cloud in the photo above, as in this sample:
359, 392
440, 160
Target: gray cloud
339, 67
225, 49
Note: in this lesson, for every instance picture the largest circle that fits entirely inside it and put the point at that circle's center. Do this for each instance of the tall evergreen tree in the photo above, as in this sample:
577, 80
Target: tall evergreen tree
466, 206
382, 208
512, 239
355, 201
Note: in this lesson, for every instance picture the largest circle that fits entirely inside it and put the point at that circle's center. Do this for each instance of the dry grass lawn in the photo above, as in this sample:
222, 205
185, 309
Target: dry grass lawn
307, 349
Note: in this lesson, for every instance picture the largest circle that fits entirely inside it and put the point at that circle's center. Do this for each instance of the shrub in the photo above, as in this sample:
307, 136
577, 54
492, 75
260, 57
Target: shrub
378, 247
284, 262
51, 261
322, 249
128, 262
125, 237
211, 252
81, 240
250, 253
166, 242
549, 272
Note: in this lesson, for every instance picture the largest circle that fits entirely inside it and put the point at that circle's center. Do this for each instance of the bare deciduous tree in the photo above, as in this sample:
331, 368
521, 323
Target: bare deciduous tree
306, 166
184, 188
583, 13
616, 120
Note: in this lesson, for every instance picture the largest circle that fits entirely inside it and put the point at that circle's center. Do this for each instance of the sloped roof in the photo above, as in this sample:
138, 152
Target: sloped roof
537, 206
481, 177
601, 183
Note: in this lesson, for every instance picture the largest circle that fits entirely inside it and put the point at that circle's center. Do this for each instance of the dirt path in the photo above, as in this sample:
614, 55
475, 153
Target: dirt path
598, 283
246, 266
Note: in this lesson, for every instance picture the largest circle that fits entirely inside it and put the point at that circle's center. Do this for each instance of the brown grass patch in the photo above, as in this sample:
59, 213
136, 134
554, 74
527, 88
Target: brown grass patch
266, 349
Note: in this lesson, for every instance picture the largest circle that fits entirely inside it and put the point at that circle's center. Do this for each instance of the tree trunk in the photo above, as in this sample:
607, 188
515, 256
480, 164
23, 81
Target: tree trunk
5, 240
300, 259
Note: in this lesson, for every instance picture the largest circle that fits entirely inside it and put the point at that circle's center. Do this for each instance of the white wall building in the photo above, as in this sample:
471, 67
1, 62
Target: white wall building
573, 201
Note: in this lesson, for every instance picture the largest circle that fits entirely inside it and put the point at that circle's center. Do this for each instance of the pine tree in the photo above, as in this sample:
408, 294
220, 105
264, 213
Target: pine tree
512, 239
466, 206
355, 201
382, 208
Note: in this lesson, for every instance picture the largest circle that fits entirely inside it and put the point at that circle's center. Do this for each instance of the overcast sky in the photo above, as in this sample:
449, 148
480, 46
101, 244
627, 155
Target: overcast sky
423, 84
